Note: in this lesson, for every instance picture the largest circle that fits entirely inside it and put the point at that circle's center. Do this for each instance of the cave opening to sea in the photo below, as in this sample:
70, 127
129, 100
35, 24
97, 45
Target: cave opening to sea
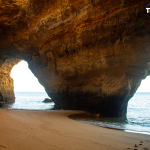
138, 113
29, 93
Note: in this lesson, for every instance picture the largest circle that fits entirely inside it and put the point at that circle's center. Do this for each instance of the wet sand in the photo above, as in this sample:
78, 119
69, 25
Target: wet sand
52, 130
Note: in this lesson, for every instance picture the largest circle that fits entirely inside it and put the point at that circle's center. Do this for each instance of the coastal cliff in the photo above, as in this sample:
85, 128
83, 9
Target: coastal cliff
88, 54
6, 82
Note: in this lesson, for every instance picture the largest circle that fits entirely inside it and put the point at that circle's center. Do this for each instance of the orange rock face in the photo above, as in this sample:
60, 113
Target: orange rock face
6, 82
88, 54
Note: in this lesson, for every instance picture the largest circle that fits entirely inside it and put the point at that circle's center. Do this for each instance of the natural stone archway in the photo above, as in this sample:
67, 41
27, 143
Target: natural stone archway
6, 82
88, 54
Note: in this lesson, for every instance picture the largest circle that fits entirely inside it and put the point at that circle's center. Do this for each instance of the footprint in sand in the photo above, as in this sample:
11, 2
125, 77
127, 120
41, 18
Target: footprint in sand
140, 145
135, 145
3, 146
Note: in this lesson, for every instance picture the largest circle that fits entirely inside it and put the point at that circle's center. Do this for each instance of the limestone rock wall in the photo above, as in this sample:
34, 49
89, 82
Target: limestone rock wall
88, 54
6, 82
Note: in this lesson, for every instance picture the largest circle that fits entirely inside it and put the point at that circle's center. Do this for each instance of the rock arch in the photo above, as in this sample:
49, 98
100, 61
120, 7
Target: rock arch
88, 54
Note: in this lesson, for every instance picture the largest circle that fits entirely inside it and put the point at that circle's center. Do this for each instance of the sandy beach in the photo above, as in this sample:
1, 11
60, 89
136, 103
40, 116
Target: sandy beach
52, 130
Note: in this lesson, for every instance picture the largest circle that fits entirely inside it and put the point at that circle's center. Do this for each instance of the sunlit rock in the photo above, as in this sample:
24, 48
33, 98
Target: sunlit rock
6, 82
88, 54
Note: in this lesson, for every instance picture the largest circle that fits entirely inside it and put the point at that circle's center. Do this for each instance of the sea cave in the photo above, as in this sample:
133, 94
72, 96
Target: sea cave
89, 55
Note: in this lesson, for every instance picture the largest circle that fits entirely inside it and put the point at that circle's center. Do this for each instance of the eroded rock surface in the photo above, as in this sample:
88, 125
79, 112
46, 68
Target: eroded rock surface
88, 54
6, 82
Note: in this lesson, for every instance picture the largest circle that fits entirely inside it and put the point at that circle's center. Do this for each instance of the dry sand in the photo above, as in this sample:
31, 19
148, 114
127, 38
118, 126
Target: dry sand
52, 130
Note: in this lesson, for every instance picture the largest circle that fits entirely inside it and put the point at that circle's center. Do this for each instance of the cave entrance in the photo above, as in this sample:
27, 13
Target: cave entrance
24, 80
139, 104
138, 111
29, 92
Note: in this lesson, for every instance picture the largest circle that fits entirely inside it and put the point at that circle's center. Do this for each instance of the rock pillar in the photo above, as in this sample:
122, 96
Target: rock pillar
6, 82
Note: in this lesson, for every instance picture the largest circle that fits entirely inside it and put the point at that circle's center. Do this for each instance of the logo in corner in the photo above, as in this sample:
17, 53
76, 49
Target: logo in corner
148, 9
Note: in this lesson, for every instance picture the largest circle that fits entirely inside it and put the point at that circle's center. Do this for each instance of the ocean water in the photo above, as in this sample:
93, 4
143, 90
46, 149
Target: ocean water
29, 101
137, 119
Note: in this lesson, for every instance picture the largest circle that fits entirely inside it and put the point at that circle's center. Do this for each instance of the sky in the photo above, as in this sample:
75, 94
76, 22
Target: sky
25, 81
